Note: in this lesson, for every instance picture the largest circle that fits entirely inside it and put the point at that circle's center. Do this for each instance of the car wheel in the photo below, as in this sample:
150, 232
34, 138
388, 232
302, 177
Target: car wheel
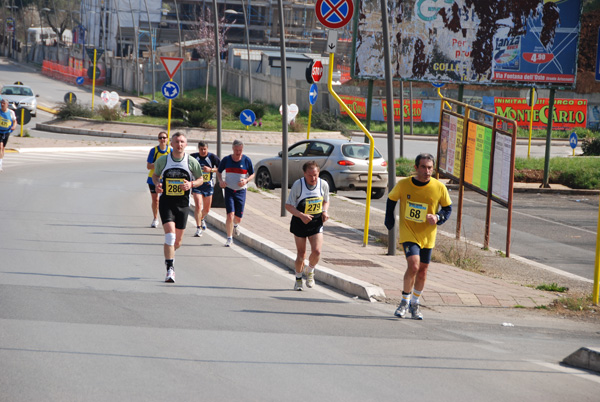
263, 179
327, 177
377, 193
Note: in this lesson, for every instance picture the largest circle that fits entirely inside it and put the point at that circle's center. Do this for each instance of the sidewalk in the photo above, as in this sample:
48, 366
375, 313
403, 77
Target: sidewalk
368, 272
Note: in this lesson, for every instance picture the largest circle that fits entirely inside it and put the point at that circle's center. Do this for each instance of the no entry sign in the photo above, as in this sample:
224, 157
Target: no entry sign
334, 14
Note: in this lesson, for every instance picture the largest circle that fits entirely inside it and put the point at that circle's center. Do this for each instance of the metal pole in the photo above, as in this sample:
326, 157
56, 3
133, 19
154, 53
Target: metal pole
548, 140
248, 48
151, 50
369, 107
137, 55
180, 44
389, 96
218, 73
401, 119
284, 111
410, 108
121, 47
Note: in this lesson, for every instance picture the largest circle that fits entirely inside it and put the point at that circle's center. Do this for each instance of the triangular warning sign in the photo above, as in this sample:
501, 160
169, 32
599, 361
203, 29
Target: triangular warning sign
171, 65
90, 52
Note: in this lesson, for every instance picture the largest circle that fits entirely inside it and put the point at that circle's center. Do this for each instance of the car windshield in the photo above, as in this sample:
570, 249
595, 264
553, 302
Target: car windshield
20, 91
359, 151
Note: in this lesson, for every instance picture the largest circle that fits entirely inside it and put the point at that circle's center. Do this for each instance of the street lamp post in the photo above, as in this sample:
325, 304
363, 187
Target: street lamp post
152, 40
247, 36
45, 10
14, 28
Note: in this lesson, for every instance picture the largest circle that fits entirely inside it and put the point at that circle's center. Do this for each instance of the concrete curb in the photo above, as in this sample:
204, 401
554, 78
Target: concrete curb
585, 358
330, 277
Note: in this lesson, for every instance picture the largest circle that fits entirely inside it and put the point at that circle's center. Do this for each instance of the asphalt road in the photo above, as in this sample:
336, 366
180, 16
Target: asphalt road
86, 315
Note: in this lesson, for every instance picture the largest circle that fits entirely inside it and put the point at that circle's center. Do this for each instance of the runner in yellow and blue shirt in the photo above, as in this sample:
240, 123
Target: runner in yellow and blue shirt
8, 122
420, 199
161, 149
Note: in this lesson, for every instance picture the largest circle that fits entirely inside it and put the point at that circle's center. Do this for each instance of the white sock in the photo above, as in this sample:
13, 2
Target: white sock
415, 296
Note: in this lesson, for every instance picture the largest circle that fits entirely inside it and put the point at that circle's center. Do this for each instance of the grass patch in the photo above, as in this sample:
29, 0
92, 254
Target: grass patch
553, 287
580, 172
580, 131
457, 254
575, 303
405, 167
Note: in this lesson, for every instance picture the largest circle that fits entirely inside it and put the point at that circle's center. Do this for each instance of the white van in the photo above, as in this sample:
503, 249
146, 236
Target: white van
34, 35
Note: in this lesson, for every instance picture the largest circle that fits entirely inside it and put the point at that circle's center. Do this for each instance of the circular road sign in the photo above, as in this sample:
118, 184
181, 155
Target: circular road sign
70, 97
247, 117
317, 71
127, 105
334, 14
90, 73
26, 116
80, 80
308, 72
573, 140
313, 94
170, 90
528, 98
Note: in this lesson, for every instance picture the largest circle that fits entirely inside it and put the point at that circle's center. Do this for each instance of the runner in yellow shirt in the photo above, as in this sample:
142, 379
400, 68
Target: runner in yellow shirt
420, 199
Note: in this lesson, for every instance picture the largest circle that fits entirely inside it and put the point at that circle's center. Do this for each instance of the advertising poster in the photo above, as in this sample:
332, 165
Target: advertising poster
451, 144
502, 167
479, 149
471, 42
358, 106
568, 113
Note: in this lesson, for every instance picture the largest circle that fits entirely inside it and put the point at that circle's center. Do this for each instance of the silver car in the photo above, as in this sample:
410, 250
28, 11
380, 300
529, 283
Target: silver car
344, 166
20, 96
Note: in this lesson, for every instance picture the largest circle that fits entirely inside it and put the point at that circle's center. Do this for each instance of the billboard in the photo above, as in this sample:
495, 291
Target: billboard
358, 106
568, 113
471, 42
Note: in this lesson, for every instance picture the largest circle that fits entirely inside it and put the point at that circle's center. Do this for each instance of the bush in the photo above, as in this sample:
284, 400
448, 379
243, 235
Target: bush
73, 109
258, 108
405, 167
591, 146
296, 127
195, 111
156, 109
109, 113
328, 121
198, 118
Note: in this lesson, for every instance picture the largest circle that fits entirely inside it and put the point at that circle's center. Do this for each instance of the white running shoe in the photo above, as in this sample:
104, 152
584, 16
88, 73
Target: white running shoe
415, 311
203, 225
154, 223
298, 284
310, 280
236, 230
402, 309
198, 232
229, 242
170, 276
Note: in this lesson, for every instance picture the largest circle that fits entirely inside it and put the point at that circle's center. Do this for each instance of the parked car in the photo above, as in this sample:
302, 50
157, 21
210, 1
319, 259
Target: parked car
20, 96
344, 166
